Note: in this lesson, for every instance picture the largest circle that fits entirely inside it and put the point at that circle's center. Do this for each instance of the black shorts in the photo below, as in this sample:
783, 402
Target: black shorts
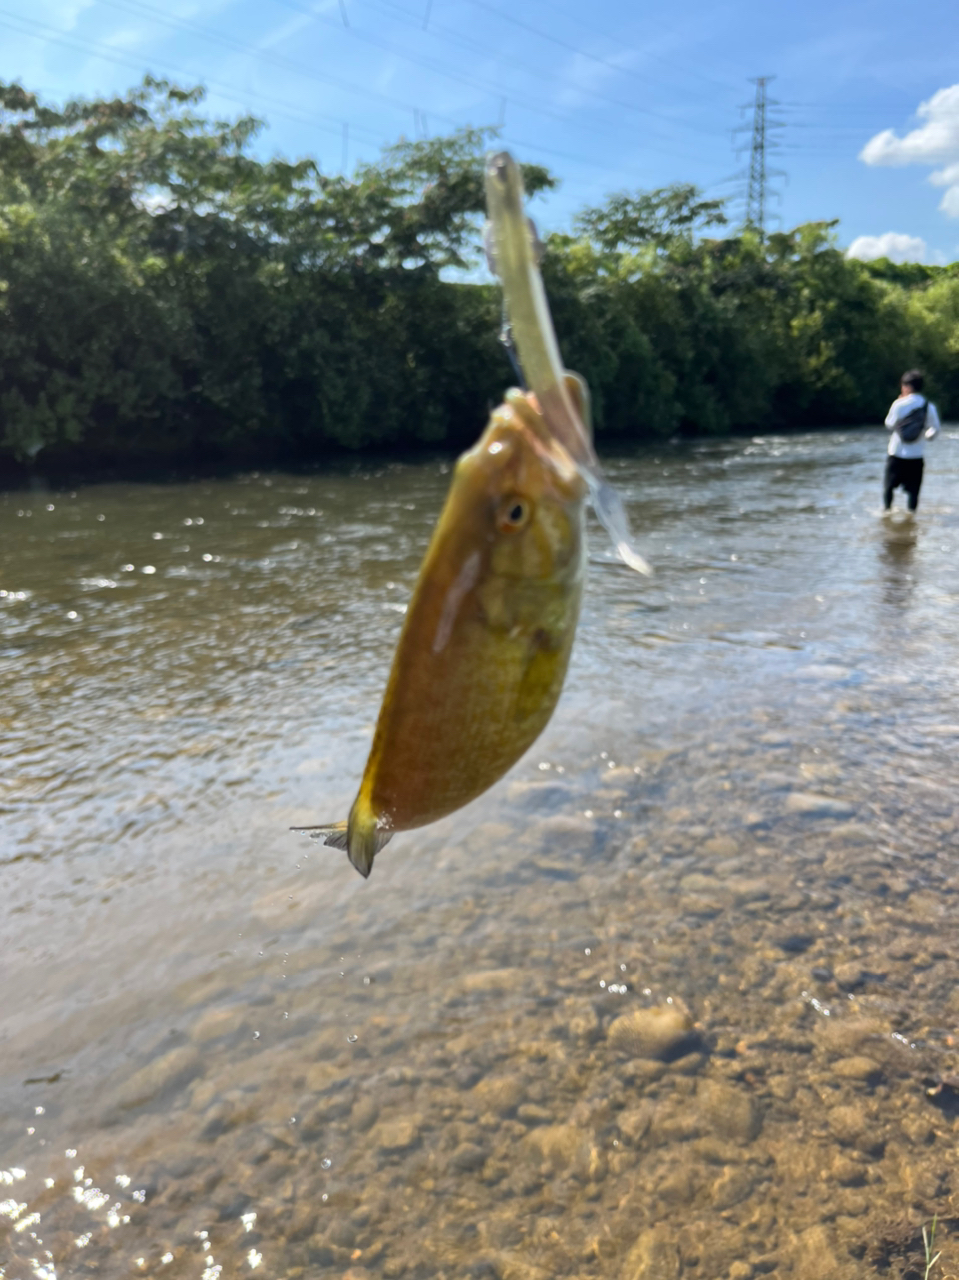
903, 473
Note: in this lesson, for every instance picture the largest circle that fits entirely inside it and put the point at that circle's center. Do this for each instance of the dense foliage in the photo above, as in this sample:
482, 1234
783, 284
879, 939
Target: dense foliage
167, 298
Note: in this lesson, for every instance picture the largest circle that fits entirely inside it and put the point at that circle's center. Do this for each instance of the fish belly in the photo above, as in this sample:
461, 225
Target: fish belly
468, 715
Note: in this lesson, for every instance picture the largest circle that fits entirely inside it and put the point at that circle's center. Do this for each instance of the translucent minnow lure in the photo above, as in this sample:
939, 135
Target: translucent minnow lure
512, 251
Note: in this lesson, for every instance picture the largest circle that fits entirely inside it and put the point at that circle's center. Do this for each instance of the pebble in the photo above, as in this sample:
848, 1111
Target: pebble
850, 1125
814, 1255
499, 1094
496, 981
215, 1023
812, 805
563, 1146
844, 1037
658, 1032
853, 833
918, 1130
733, 1185
721, 847
541, 796
696, 883
654, 1256
163, 1075
850, 975
847, 1172
302, 1221
740, 1270
858, 1068
530, 1113
634, 1123
396, 1135
729, 1111
364, 1114
584, 1025
468, 1157
564, 833
782, 1087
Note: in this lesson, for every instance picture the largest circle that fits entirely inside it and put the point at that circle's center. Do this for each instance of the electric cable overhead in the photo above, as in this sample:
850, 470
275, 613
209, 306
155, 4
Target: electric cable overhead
441, 68
467, 42
38, 30
728, 86
570, 48
280, 60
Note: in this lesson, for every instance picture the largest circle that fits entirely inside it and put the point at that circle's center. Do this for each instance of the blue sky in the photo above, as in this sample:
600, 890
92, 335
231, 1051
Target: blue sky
610, 95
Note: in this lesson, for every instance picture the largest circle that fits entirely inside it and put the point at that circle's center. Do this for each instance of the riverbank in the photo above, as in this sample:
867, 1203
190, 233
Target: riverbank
170, 302
56, 476
737, 835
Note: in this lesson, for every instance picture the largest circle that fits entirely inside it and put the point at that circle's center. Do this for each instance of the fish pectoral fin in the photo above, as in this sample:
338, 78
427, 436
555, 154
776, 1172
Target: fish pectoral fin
335, 834
536, 688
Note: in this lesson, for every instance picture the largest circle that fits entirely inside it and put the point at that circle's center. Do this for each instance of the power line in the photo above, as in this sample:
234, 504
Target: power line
280, 60
467, 42
580, 53
655, 57
442, 68
40, 31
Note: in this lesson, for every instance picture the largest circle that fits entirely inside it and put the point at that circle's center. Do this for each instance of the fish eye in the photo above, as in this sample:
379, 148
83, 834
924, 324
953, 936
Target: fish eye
514, 513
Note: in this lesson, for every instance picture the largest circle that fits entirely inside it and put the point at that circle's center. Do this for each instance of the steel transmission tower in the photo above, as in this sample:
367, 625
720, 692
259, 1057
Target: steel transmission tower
763, 142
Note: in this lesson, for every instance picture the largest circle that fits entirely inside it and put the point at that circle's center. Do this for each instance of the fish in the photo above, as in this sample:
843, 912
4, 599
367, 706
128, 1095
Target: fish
486, 641
512, 253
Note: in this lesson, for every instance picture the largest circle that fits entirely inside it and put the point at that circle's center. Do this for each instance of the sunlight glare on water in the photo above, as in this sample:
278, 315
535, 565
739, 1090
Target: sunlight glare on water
677, 996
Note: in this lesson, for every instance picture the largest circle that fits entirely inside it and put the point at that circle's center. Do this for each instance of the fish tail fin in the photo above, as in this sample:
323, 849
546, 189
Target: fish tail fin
365, 837
361, 838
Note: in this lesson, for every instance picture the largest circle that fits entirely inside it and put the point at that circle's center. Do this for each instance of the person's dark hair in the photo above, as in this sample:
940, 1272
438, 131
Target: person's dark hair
912, 378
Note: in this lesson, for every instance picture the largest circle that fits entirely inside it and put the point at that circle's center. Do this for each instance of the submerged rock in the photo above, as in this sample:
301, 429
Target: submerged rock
729, 1111
499, 1094
396, 1135
812, 805
858, 1067
654, 1256
163, 1075
662, 1032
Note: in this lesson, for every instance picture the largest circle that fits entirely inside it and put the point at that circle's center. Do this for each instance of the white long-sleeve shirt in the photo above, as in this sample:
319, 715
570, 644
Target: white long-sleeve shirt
901, 408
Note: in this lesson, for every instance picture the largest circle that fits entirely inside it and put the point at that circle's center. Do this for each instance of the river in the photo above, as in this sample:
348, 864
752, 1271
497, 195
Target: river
678, 997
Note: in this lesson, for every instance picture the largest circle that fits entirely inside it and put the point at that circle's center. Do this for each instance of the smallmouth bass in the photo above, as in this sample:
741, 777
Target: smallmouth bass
484, 649
487, 637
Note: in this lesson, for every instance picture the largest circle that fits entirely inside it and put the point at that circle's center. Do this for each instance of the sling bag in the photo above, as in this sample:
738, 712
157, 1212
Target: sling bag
911, 427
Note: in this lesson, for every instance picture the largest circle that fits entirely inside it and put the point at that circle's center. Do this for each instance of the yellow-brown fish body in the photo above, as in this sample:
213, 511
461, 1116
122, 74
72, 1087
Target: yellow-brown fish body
487, 637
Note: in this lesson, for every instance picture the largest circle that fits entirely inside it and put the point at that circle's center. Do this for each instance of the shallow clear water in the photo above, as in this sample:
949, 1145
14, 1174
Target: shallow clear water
743, 817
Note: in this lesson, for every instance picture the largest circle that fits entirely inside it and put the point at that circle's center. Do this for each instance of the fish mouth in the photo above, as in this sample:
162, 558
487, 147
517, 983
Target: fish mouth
516, 428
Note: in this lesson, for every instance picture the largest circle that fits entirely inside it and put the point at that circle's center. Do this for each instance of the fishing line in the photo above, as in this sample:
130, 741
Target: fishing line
506, 338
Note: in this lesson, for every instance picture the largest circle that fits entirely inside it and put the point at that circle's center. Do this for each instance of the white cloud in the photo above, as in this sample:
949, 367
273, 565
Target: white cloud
935, 141
894, 245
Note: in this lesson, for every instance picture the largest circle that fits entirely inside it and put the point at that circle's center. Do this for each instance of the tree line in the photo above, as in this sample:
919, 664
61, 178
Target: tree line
169, 300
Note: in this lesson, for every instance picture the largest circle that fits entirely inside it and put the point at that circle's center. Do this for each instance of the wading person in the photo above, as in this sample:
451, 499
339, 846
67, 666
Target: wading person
913, 421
